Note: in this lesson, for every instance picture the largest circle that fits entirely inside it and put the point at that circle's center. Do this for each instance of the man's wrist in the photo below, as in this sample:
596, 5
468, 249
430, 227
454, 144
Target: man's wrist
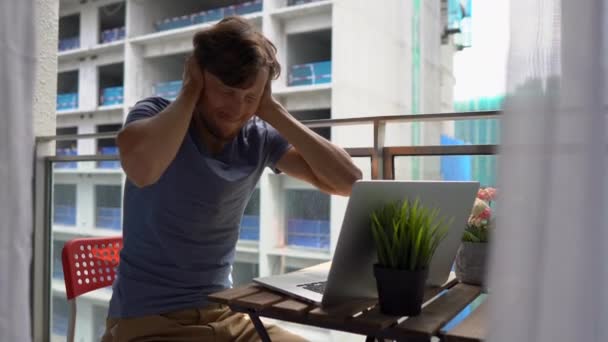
270, 111
190, 89
189, 93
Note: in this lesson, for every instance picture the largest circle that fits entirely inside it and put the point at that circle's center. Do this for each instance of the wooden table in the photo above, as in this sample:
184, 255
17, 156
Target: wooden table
363, 317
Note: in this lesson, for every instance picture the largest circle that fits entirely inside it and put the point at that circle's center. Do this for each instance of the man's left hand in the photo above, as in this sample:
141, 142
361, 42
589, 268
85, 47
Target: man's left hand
268, 104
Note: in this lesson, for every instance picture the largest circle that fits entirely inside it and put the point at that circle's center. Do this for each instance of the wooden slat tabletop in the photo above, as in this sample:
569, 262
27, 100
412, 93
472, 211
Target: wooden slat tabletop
259, 300
289, 307
472, 329
374, 319
342, 311
360, 316
295, 311
440, 311
227, 296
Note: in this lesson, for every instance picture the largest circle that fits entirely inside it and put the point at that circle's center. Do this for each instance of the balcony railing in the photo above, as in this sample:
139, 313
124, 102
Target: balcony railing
382, 157
311, 232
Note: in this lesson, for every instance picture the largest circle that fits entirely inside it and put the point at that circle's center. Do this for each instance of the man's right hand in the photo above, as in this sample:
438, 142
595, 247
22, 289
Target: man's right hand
193, 76
149, 145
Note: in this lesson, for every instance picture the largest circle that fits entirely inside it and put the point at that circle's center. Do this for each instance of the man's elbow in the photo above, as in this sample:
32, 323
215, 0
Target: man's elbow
353, 176
138, 171
122, 138
142, 180
350, 179
357, 175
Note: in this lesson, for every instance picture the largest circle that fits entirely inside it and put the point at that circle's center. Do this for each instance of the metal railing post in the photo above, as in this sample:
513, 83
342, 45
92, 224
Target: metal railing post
378, 156
41, 251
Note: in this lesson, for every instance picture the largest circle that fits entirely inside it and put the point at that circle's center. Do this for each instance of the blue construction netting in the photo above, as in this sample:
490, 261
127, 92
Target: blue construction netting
480, 132
455, 168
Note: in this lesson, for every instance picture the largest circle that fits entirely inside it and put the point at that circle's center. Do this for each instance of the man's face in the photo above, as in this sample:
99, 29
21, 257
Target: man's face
224, 110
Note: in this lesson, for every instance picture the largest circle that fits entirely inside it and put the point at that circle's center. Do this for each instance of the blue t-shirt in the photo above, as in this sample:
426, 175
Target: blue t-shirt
180, 233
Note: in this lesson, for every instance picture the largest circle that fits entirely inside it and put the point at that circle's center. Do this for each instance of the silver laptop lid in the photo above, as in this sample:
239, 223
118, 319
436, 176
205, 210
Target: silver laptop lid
351, 273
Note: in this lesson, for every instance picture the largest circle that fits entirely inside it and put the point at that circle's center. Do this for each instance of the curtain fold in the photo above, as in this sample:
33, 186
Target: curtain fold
549, 268
17, 70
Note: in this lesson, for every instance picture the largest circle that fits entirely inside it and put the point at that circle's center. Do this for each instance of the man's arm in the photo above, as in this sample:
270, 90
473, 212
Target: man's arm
312, 158
293, 164
149, 145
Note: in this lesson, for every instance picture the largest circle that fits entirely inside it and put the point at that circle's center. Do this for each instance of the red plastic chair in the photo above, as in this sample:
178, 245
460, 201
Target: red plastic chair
88, 264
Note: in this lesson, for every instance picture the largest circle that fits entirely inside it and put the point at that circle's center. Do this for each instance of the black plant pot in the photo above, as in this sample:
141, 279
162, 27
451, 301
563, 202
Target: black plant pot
400, 292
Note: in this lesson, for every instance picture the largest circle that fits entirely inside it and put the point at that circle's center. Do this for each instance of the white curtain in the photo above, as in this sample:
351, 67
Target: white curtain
549, 270
17, 67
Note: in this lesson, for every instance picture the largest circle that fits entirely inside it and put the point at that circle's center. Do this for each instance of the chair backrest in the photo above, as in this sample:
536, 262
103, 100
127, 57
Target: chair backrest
89, 264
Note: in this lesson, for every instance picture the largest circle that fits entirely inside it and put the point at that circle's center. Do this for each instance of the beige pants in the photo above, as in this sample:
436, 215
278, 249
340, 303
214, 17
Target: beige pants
212, 323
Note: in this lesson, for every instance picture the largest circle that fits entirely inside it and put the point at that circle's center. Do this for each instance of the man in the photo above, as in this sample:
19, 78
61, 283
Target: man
192, 165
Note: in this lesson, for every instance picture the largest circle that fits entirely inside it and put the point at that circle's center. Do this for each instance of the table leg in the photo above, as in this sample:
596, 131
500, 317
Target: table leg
259, 326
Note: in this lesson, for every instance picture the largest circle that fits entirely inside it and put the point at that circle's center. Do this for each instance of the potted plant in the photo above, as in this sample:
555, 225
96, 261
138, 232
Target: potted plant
406, 235
472, 256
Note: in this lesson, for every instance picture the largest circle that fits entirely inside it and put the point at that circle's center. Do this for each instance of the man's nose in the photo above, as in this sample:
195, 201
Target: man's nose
237, 107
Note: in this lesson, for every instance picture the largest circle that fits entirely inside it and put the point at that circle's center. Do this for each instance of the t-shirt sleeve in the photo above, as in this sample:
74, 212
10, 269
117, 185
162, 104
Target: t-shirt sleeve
276, 146
146, 108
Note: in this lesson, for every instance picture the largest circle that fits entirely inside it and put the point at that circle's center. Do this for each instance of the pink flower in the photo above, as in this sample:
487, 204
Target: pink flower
486, 214
478, 207
491, 193
483, 194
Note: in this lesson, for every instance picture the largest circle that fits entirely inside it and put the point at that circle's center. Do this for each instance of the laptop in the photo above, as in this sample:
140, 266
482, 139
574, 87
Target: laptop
350, 274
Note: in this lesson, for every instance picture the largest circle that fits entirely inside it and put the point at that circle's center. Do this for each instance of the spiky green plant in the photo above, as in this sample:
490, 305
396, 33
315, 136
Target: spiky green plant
407, 234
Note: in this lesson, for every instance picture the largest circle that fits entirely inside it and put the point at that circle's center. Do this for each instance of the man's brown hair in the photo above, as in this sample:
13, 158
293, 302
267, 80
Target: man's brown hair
234, 51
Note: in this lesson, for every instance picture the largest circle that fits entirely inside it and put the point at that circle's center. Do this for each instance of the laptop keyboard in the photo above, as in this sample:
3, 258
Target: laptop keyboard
318, 287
